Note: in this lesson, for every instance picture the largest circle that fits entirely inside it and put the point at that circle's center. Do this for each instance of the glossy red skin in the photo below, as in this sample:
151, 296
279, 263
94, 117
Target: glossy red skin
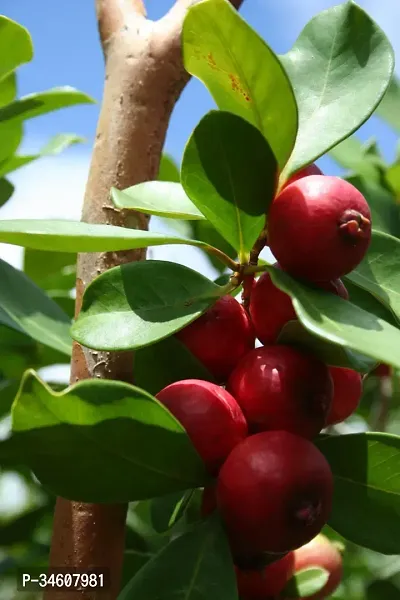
309, 170
271, 309
304, 228
220, 337
280, 387
382, 370
347, 391
320, 553
211, 416
262, 583
274, 493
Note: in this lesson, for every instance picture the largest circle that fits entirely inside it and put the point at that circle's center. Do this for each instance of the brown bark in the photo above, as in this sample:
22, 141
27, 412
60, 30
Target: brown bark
144, 77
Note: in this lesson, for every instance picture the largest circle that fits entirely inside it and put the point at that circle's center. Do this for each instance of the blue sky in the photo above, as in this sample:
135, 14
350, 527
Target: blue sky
67, 52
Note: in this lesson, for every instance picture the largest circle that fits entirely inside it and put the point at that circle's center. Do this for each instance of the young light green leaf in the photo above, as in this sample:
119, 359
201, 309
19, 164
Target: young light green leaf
230, 173
241, 72
306, 583
340, 45
42, 103
168, 170
25, 308
54, 146
379, 271
8, 89
161, 198
76, 236
205, 568
388, 110
100, 441
11, 136
161, 364
140, 303
366, 498
15, 46
341, 322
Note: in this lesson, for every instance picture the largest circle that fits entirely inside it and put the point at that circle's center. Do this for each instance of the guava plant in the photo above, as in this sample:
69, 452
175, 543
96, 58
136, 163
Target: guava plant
232, 452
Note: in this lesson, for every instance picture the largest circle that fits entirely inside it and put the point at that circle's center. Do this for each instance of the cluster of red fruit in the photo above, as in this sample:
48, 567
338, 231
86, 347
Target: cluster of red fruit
254, 430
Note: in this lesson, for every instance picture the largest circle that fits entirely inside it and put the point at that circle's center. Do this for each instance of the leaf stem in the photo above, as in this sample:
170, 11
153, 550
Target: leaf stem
224, 258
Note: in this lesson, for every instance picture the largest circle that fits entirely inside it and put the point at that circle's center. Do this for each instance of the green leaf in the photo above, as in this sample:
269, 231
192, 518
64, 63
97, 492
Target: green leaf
362, 298
54, 146
393, 178
382, 590
59, 273
100, 441
76, 236
205, 232
340, 68
140, 303
6, 190
8, 89
161, 198
388, 109
15, 46
163, 510
42, 103
379, 271
168, 171
164, 363
241, 72
294, 334
11, 137
205, 569
25, 308
306, 583
341, 322
349, 153
229, 172
366, 498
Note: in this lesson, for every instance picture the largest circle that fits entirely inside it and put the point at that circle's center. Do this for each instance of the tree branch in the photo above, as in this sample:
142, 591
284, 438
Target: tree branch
144, 78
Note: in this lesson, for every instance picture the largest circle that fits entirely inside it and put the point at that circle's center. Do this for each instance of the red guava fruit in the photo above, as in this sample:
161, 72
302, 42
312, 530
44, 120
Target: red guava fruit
274, 493
270, 308
382, 370
320, 552
211, 416
280, 387
258, 584
220, 337
309, 170
319, 228
347, 391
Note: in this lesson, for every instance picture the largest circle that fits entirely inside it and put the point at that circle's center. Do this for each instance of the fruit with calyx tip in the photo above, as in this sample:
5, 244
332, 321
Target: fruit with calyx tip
258, 584
347, 391
220, 337
320, 552
211, 416
280, 387
274, 493
271, 309
309, 170
319, 228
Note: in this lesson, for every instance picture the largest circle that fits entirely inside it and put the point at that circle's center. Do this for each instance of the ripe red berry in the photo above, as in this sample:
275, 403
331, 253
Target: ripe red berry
382, 370
309, 170
271, 309
319, 228
274, 493
259, 584
220, 337
211, 416
347, 390
320, 552
279, 387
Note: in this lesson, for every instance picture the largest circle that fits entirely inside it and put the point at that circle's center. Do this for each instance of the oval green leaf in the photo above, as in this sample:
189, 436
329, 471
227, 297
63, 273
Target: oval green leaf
366, 499
138, 304
195, 566
15, 46
230, 174
379, 272
306, 583
161, 364
160, 198
241, 72
341, 322
25, 308
8, 89
388, 110
101, 441
340, 68
42, 103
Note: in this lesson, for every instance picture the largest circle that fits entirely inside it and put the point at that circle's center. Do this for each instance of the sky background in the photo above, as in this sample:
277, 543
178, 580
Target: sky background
67, 52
